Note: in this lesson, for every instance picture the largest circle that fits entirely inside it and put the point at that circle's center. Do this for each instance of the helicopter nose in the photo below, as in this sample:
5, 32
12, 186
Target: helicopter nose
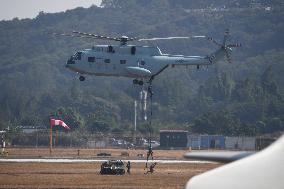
69, 62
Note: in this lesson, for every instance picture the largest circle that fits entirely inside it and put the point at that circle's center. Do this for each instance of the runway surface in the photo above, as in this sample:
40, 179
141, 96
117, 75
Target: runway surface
65, 160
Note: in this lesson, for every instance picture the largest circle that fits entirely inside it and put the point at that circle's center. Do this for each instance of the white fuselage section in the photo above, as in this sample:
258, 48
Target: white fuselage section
130, 61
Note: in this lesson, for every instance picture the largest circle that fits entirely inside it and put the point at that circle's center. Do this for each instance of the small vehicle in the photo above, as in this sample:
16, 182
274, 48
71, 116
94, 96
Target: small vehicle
112, 167
154, 144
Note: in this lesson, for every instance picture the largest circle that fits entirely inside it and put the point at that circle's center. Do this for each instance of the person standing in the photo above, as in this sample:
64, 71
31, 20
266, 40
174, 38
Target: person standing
149, 154
128, 166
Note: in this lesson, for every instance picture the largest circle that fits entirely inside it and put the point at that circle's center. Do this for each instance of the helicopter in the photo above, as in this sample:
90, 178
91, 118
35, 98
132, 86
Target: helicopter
142, 63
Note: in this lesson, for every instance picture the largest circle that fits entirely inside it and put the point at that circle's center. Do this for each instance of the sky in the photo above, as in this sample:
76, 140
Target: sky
10, 9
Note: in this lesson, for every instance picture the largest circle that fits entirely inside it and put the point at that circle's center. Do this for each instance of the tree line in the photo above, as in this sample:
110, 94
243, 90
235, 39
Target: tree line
243, 98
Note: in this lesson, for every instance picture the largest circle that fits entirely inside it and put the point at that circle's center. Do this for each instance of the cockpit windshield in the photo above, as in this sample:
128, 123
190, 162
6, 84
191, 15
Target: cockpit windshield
71, 60
78, 56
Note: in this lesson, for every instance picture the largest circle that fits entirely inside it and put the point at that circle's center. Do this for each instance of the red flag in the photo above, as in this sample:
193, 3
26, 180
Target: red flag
54, 122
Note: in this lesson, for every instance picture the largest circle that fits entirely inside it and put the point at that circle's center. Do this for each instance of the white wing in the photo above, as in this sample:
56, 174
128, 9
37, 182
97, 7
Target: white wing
220, 156
262, 170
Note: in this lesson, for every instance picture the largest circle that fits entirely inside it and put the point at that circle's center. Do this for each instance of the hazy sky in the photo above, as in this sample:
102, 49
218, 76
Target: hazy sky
10, 9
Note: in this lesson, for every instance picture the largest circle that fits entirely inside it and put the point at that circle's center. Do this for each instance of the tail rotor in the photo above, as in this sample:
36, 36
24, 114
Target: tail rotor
226, 47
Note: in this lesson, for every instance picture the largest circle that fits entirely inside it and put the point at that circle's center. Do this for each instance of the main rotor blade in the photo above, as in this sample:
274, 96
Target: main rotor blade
169, 38
96, 36
71, 35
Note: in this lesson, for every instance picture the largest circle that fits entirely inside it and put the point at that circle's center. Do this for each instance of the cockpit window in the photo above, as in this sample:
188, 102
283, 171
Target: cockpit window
71, 60
78, 56
110, 49
133, 50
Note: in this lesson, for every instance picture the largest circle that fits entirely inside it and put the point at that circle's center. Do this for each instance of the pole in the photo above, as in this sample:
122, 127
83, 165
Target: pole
56, 138
50, 138
135, 121
135, 115
36, 137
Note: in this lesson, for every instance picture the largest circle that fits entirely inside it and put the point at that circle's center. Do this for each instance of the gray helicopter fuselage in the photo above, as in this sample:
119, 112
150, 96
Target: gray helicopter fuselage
130, 61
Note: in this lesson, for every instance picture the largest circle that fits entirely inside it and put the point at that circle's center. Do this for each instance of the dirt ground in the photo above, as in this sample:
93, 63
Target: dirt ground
86, 175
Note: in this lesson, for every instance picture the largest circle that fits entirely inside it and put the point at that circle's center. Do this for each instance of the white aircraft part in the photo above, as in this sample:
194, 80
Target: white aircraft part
220, 156
262, 170
176, 37
138, 71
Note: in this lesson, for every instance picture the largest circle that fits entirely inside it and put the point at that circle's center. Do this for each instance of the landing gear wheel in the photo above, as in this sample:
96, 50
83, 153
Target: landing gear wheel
141, 82
135, 81
82, 78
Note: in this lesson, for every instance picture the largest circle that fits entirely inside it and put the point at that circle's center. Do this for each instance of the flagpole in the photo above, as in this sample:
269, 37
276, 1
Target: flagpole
50, 137
56, 138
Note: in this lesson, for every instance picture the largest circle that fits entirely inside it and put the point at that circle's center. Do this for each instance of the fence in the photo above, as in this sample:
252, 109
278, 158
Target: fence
41, 138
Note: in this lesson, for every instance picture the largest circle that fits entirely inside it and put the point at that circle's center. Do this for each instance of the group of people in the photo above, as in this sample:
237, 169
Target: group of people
150, 154
152, 166
150, 170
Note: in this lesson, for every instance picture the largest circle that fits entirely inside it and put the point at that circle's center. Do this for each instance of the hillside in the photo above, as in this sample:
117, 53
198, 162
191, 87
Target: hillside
243, 98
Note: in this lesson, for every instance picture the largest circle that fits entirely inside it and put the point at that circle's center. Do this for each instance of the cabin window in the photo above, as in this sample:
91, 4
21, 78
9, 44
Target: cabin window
107, 61
91, 59
110, 49
133, 50
122, 61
